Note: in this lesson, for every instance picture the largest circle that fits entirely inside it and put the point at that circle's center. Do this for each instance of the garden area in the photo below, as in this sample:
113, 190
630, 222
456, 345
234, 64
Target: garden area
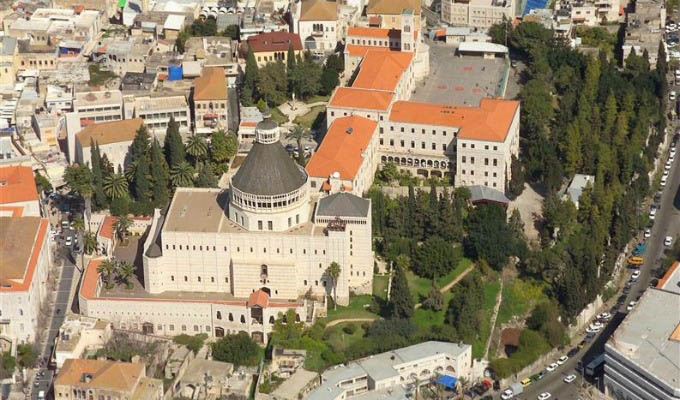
313, 119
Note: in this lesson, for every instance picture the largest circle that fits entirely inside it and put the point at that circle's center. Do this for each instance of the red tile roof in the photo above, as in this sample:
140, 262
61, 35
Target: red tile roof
355, 50
16, 211
490, 121
258, 298
378, 33
32, 261
107, 227
17, 185
274, 41
211, 85
341, 149
382, 70
361, 98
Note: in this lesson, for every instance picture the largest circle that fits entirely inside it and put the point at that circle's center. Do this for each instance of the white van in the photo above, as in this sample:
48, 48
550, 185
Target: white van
41, 395
672, 95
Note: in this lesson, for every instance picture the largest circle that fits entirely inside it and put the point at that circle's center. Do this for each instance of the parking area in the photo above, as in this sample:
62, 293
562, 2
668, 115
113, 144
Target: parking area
458, 80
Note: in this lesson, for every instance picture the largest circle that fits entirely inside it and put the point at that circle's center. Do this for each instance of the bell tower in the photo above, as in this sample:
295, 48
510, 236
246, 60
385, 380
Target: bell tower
408, 42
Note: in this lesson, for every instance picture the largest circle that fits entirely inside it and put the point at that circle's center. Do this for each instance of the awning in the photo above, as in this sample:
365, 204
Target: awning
447, 381
210, 116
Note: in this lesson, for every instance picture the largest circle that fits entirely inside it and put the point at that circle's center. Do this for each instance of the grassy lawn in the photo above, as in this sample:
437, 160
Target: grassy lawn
308, 119
380, 286
519, 297
278, 117
317, 98
490, 292
420, 287
339, 340
356, 309
426, 318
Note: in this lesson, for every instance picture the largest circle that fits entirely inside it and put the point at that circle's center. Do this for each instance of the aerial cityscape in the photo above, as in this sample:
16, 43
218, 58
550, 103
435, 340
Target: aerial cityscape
339, 200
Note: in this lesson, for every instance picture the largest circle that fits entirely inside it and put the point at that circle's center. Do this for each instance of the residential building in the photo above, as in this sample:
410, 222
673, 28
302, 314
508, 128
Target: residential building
477, 13
389, 373
347, 158
318, 25
18, 193
58, 99
78, 335
286, 361
642, 357
25, 260
113, 138
99, 106
101, 379
138, 82
210, 100
173, 25
273, 46
578, 184
388, 13
34, 30
9, 50
47, 127
644, 29
226, 380
221, 262
122, 56
214, 51
36, 57
156, 112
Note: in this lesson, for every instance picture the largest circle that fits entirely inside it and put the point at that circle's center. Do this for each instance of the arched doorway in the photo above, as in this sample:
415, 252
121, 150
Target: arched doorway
219, 332
147, 328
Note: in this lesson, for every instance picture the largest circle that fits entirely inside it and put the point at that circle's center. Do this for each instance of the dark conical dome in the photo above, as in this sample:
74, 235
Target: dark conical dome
268, 169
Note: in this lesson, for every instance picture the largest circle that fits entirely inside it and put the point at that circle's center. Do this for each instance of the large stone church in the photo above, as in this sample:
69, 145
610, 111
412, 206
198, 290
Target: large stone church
223, 261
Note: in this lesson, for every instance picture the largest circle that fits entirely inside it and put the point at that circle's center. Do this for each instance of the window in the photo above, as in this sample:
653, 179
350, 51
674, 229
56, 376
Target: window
259, 225
199, 278
382, 130
472, 146
381, 139
495, 162
231, 317
186, 279
495, 148
486, 161
172, 278
472, 160
195, 328
486, 147
172, 327
463, 160
219, 315
184, 328
402, 143
226, 280
270, 225
243, 319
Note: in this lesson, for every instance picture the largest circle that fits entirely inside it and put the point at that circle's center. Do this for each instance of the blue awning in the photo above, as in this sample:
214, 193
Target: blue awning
448, 381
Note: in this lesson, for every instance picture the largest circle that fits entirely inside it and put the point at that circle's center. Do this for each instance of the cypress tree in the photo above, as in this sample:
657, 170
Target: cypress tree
250, 80
400, 296
140, 144
290, 61
410, 211
174, 148
97, 176
142, 184
206, 177
159, 175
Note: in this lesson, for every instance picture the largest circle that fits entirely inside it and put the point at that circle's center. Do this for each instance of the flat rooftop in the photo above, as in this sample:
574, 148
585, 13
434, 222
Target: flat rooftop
17, 238
649, 336
97, 98
160, 103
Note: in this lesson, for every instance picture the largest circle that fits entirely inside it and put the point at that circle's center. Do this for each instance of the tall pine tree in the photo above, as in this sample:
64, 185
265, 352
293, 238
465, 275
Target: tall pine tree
174, 148
401, 301
140, 144
142, 184
99, 197
159, 176
250, 80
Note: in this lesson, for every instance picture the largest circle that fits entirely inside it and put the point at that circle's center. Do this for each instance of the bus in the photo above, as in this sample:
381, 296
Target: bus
596, 366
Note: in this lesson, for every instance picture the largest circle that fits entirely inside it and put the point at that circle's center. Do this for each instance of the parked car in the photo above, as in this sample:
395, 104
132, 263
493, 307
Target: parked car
569, 378
631, 305
544, 396
648, 233
562, 360
652, 213
507, 394
573, 352
668, 241
551, 367
605, 316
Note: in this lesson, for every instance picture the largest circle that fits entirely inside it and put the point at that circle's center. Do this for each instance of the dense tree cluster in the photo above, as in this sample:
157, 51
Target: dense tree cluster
238, 349
276, 82
582, 114
207, 27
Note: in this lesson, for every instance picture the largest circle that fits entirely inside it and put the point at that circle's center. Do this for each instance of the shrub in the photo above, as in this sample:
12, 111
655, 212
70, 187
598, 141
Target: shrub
349, 329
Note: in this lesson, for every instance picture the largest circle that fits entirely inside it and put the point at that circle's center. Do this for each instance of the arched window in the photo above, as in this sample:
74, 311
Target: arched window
271, 319
243, 319
231, 317
219, 315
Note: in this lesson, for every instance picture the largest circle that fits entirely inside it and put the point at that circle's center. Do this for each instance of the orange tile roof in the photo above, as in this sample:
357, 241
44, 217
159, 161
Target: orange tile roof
319, 10
17, 185
248, 124
379, 33
107, 227
340, 150
381, 70
111, 375
361, 98
258, 298
211, 85
392, 7
662, 282
274, 41
374, 20
356, 50
490, 121
16, 266
109, 132
16, 211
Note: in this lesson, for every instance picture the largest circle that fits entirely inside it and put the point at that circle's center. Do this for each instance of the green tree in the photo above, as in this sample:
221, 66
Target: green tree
79, 179
489, 236
500, 32
125, 271
100, 200
42, 183
197, 148
206, 177
142, 185
434, 257
333, 272
329, 80
223, 146
517, 180
174, 148
272, 83
27, 355
435, 299
107, 270
115, 186
89, 243
250, 80
233, 32
299, 133
193, 343
290, 58
159, 175
237, 349
181, 175
122, 226
401, 301
140, 144
466, 306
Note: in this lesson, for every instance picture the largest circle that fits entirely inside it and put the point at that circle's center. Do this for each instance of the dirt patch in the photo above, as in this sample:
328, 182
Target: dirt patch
530, 206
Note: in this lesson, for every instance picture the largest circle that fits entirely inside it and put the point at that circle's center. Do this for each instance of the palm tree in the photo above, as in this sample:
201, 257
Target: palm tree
79, 179
126, 271
115, 186
299, 133
78, 225
131, 171
197, 148
89, 243
333, 272
182, 175
106, 270
121, 226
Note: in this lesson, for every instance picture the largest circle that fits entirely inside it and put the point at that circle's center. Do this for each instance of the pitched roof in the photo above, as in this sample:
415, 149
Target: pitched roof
112, 375
479, 193
382, 70
343, 205
17, 184
107, 228
211, 85
258, 298
319, 10
490, 121
109, 132
380, 33
355, 50
21, 241
341, 148
274, 41
361, 98
392, 6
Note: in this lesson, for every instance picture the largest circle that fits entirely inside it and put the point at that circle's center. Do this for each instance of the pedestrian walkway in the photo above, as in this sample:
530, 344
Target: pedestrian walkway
499, 297
451, 284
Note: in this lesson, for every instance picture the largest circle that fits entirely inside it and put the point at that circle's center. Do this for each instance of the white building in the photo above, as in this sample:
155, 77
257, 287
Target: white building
227, 261
113, 138
156, 113
387, 375
24, 261
477, 13
18, 193
642, 357
99, 106
318, 26
79, 334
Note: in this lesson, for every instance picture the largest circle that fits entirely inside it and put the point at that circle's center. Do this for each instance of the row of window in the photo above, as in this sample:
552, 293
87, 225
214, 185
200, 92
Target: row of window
472, 173
238, 248
413, 130
39, 63
413, 144
319, 28
99, 109
472, 146
163, 115
211, 105
472, 182
472, 161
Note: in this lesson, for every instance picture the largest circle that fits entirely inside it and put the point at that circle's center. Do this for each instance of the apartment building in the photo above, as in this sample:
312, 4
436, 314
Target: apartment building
8, 60
122, 56
113, 138
99, 106
477, 13
79, 334
156, 112
103, 379
47, 127
319, 26
644, 29
25, 255
210, 100
273, 46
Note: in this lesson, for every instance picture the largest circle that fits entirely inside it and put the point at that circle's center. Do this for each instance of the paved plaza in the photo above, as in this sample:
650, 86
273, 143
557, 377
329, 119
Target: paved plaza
458, 80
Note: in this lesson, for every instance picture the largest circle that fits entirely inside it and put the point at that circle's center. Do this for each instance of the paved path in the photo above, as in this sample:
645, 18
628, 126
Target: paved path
499, 296
452, 283
340, 321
